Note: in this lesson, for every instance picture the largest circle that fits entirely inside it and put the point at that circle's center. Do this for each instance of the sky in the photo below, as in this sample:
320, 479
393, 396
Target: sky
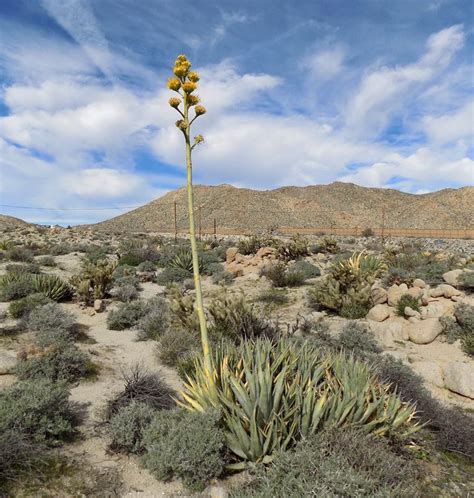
374, 92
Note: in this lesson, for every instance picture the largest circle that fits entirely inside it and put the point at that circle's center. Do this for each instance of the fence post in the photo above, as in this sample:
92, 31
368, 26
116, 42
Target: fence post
175, 224
382, 233
215, 229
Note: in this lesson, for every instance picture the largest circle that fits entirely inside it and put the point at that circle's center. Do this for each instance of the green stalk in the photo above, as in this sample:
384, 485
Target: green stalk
192, 235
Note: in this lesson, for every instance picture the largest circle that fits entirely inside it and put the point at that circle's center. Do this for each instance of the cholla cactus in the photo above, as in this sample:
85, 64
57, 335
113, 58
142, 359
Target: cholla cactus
184, 83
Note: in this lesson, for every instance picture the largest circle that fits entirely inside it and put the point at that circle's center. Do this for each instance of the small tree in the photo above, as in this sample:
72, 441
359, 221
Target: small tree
184, 83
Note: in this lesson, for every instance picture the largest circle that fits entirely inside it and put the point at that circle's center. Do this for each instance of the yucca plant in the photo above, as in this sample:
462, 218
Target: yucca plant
184, 261
51, 286
272, 395
184, 83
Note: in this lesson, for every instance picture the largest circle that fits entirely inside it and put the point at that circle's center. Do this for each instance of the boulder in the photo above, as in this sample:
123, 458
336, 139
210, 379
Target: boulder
459, 378
7, 362
416, 292
266, 252
444, 290
235, 269
430, 371
425, 331
230, 254
403, 287
437, 309
410, 312
389, 331
452, 277
99, 305
418, 282
378, 313
379, 295
394, 293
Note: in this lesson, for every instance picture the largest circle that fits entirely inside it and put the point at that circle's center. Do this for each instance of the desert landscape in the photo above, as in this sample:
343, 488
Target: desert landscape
113, 324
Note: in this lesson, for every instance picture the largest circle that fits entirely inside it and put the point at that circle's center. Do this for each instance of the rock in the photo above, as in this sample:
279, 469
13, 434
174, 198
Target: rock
459, 378
430, 371
414, 319
449, 291
389, 331
379, 295
7, 362
439, 308
425, 331
218, 492
403, 287
394, 294
378, 313
452, 277
99, 305
436, 292
265, 252
419, 283
416, 292
411, 312
230, 254
423, 313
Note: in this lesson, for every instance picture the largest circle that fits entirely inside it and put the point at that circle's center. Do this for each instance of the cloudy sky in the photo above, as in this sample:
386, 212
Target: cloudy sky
375, 92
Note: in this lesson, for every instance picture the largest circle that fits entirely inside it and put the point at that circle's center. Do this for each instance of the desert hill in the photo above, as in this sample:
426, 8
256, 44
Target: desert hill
11, 223
342, 205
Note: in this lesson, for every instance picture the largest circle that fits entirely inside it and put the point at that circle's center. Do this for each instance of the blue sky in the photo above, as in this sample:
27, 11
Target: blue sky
375, 92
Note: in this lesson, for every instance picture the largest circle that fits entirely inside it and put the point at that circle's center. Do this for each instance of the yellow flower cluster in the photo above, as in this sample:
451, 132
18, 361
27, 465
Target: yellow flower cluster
193, 100
181, 66
181, 124
174, 102
174, 84
189, 86
198, 139
199, 110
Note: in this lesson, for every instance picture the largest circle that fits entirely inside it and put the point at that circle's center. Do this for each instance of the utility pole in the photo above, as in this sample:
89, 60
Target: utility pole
175, 224
215, 229
383, 225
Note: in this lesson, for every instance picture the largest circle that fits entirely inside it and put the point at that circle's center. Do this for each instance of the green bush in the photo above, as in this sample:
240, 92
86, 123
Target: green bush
125, 293
24, 268
19, 253
52, 286
22, 307
467, 280
15, 286
222, 277
176, 345
46, 261
407, 300
51, 316
461, 327
61, 249
397, 276
172, 275
126, 315
38, 409
64, 363
296, 248
282, 275
141, 386
156, 321
186, 445
334, 463
252, 244
233, 318
277, 297
130, 260
147, 266
308, 269
328, 245
127, 426
272, 395
94, 254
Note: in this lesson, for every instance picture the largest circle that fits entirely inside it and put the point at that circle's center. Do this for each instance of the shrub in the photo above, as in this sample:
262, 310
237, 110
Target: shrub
172, 275
60, 249
127, 426
407, 300
466, 280
156, 321
327, 245
65, 362
23, 268
367, 232
15, 286
232, 318
308, 269
186, 445
296, 248
39, 410
51, 317
95, 280
175, 346
272, 395
147, 266
252, 244
23, 306
142, 387
19, 253
51, 286
336, 463
281, 275
277, 297
461, 327
46, 261
134, 252
125, 293
397, 276
222, 277
182, 312
94, 254
126, 315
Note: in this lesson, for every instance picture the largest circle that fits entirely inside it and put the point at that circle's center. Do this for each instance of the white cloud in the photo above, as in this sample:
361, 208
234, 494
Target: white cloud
324, 65
385, 90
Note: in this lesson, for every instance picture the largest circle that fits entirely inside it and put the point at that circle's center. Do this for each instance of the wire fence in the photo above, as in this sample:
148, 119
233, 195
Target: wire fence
210, 221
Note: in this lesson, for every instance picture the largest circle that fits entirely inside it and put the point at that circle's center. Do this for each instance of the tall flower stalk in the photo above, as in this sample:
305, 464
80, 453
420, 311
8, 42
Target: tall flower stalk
184, 83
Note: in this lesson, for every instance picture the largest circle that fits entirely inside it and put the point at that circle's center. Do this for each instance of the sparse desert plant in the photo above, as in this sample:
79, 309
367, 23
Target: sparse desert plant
182, 310
466, 280
141, 386
328, 245
46, 261
126, 427
62, 249
125, 293
172, 275
233, 318
397, 276
22, 307
15, 286
282, 275
156, 321
51, 316
183, 260
126, 315
272, 395
19, 253
250, 245
296, 248
222, 277
39, 410
277, 297
367, 232
22, 268
407, 300
64, 362
94, 254
51, 286
175, 345
95, 280
186, 445
461, 327
308, 269
336, 462
147, 266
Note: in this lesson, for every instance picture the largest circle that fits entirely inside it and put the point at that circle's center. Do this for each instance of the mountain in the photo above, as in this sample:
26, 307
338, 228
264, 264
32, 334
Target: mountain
11, 223
341, 205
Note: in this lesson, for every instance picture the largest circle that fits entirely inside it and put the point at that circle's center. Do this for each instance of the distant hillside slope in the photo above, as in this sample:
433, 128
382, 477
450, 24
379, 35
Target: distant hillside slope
334, 205
11, 223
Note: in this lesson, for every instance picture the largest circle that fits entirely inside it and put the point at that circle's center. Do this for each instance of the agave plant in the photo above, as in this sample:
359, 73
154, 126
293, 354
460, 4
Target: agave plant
272, 395
51, 286
184, 261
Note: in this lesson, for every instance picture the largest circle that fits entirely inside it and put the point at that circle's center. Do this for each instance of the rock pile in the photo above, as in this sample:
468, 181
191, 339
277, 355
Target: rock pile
239, 265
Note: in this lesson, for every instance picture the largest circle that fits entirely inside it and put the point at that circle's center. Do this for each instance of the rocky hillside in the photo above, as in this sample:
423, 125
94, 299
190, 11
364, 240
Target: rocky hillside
334, 205
11, 223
